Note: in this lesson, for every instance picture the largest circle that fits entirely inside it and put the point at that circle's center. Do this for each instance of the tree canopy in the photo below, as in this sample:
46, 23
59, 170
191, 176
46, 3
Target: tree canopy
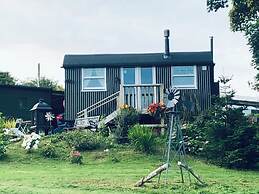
7, 79
244, 17
45, 83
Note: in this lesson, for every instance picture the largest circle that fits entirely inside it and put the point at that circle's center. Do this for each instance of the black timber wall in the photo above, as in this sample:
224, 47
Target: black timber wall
16, 101
201, 95
75, 100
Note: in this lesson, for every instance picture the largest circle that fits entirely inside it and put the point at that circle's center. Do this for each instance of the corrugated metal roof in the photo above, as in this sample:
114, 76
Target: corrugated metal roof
100, 60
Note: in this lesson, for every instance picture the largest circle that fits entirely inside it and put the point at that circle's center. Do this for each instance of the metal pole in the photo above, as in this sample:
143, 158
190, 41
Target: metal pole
169, 143
38, 74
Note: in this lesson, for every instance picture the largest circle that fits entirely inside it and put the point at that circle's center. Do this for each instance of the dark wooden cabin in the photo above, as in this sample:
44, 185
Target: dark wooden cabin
16, 101
99, 84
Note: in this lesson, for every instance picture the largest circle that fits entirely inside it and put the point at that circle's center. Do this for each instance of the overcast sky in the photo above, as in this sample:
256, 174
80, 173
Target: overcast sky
43, 31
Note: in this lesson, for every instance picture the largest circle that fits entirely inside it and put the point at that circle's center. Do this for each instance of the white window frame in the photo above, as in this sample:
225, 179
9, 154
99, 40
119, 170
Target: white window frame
193, 86
138, 75
92, 89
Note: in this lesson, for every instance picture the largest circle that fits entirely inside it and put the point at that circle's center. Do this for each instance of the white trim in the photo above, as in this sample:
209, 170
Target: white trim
93, 89
154, 74
194, 75
138, 74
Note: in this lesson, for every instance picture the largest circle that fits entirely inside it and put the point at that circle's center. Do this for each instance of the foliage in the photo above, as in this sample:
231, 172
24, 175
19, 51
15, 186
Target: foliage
76, 157
157, 109
7, 79
49, 150
188, 106
2, 120
9, 123
3, 144
45, 83
3, 137
143, 139
244, 17
82, 141
31, 142
126, 118
223, 136
114, 157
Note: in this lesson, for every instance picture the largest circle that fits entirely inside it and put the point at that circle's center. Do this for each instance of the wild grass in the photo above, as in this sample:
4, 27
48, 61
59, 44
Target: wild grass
9, 123
22, 173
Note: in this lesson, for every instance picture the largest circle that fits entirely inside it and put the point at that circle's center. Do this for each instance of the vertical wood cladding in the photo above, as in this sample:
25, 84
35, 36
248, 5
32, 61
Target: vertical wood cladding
203, 91
76, 100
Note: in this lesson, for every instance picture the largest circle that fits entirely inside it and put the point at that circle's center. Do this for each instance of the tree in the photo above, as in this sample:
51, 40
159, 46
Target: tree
45, 83
244, 17
7, 79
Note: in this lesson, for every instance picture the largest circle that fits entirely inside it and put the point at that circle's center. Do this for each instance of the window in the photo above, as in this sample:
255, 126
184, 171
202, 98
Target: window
94, 79
129, 75
184, 76
138, 75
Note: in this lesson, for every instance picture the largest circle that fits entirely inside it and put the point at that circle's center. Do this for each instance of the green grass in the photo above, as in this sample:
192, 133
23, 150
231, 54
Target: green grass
30, 173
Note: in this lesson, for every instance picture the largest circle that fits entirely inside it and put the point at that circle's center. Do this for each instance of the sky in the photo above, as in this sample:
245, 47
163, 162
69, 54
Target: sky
43, 31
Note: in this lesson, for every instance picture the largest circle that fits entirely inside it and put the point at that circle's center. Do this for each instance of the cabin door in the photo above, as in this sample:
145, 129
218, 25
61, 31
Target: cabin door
138, 90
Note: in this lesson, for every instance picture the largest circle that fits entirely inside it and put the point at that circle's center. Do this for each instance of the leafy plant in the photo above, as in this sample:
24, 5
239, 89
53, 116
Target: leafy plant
224, 136
76, 157
2, 120
3, 138
142, 138
82, 141
126, 118
3, 144
10, 123
49, 150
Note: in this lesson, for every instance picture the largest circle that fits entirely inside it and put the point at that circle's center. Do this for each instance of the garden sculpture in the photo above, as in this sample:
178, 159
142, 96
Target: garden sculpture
175, 143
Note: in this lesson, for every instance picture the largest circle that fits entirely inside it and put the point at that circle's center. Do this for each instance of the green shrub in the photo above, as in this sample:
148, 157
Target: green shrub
76, 157
142, 138
224, 137
2, 121
3, 138
49, 150
83, 141
126, 118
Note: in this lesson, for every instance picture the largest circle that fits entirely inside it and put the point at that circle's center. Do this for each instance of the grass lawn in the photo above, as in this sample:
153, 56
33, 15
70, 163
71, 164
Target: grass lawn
30, 173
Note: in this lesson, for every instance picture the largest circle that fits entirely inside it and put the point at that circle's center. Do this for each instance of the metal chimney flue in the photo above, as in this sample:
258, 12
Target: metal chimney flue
167, 49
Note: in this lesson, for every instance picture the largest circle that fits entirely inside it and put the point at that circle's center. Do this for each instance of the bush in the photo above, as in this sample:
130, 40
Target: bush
76, 157
3, 144
83, 141
2, 120
3, 138
126, 118
10, 123
224, 137
142, 138
49, 150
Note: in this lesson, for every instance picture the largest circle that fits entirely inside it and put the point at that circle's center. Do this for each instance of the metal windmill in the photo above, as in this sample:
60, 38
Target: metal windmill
175, 138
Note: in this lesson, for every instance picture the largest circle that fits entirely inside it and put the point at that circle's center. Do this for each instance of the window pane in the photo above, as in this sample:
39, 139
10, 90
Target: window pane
183, 70
129, 75
93, 72
93, 83
183, 80
146, 75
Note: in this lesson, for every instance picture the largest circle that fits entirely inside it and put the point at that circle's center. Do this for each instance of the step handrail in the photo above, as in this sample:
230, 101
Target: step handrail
93, 108
97, 103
